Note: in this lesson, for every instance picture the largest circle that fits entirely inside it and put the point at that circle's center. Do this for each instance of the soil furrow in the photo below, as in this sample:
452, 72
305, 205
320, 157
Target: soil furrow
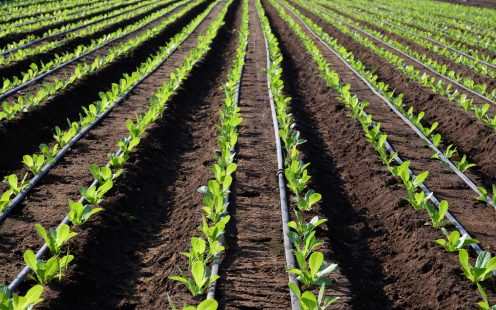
24, 134
379, 242
472, 137
253, 272
47, 204
154, 210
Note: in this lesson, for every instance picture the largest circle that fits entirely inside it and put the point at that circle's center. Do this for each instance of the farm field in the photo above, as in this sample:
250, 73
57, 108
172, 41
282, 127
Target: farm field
247, 154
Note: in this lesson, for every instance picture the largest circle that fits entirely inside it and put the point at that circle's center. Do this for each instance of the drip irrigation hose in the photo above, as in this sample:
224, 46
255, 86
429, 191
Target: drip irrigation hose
39, 77
404, 54
33, 182
68, 31
417, 131
288, 247
429, 194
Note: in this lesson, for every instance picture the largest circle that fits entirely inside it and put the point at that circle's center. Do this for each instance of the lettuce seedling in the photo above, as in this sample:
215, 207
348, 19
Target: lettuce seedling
34, 163
49, 153
454, 242
104, 174
311, 198
196, 250
302, 228
200, 280
437, 214
419, 200
484, 196
315, 272
305, 244
26, 302
46, 271
463, 164
56, 238
79, 213
483, 268
13, 182
308, 301
93, 195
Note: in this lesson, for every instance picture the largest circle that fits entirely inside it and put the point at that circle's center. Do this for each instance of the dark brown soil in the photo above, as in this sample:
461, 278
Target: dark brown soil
24, 134
253, 272
47, 204
470, 136
363, 203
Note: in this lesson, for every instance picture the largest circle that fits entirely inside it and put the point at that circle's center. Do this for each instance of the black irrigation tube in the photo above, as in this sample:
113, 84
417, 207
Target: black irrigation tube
404, 54
288, 248
390, 149
69, 31
41, 76
25, 271
417, 131
7, 25
34, 181
217, 261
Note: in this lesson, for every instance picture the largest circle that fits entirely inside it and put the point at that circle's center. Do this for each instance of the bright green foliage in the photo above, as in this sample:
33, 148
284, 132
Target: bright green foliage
46, 271
308, 301
454, 242
313, 272
56, 238
200, 280
483, 268
79, 213
17, 302
34, 163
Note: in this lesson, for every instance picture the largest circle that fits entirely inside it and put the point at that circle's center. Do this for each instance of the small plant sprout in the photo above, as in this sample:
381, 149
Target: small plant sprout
419, 200
437, 214
311, 198
94, 194
200, 279
5, 199
483, 268
454, 242
450, 152
484, 196
196, 251
49, 152
56, 238
15, 185
46, 271
80, 214
34, 163
316, 272
104, 174
463, 164
308, 301
17, 302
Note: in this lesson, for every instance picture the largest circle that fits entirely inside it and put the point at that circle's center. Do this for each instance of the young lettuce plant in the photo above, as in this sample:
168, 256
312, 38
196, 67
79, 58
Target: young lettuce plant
94, 194
13, 182
26, 302
104, 174
5, 199
308, 301
484, 196
200, 280
483, 268
34, 163
316, 272
437, 214
56, 238
484, 304
46, 271
454, 242
79, 213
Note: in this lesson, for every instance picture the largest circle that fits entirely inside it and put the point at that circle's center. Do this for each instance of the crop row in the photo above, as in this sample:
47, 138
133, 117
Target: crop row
39, 164
423, 78
485, 264
311, 268
45, 271
27, 102
204, 254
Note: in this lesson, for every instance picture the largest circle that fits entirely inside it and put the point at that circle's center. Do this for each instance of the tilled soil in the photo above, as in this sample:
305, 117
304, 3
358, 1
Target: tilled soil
253, 272
24, 134
399, 250
47, 203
